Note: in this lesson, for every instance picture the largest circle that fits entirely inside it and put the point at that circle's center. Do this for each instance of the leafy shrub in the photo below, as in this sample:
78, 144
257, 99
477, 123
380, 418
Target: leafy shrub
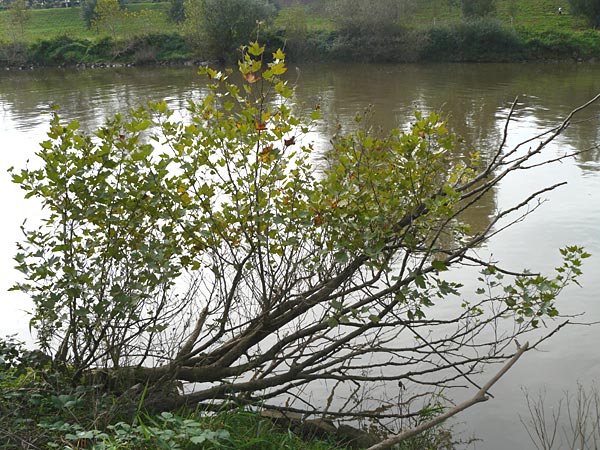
558, 44
590, 9
166, 431
88, 10
217, 28
319, 45
100, 50
477, 40
168, 46
399, 46
155, 47
59, 50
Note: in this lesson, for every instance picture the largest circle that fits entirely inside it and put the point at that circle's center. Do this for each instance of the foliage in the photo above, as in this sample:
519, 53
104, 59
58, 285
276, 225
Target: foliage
89, 13
14, 358
372, 31
31, 390
18, 17
217, 28
223, 249
556, 44
157, 47
590, 9
167, 431
475, 40
107, 15
60, 50
402, 45
63, 50
41, 409
417, 34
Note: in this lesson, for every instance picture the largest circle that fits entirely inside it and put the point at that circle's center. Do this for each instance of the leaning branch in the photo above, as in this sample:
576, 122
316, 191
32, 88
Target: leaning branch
480, 396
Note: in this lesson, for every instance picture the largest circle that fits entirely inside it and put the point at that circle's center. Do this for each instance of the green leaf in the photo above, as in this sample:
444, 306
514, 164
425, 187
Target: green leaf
278, 68
374, 318
255, 49
440, 266
341, 257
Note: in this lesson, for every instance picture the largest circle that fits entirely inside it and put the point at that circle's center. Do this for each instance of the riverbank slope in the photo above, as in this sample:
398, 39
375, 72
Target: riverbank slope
433, 32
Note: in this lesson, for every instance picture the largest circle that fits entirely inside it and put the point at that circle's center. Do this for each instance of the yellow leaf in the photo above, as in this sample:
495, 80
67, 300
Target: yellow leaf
278, 54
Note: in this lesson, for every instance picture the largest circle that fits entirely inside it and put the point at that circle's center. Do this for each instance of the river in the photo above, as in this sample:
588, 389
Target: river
475, 97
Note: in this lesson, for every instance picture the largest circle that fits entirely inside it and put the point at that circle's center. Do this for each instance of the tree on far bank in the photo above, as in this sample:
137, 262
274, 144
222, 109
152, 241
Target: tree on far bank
88, 10
18, 16
107, 15
590, 9
218, 28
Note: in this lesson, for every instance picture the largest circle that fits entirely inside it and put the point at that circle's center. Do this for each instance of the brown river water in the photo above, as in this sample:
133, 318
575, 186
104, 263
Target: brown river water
475, 97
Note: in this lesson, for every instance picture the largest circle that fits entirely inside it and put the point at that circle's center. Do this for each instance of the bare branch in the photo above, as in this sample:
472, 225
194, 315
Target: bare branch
480, 396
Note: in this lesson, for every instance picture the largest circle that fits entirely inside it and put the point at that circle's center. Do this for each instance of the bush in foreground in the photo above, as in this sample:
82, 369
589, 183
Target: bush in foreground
302, 265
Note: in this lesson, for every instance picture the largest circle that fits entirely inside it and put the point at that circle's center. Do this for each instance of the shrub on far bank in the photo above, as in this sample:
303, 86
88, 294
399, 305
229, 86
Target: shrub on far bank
216, 29
590, 9
560, 45
471, 41
400, 46
65, 50
154, 48
60, 50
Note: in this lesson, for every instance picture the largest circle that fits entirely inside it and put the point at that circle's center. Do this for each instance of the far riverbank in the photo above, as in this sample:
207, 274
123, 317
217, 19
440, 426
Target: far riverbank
475, 41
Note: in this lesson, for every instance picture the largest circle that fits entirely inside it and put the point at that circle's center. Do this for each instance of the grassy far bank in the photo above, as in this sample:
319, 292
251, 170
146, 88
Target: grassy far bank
533, 15
530, 15
430, 31
46, 24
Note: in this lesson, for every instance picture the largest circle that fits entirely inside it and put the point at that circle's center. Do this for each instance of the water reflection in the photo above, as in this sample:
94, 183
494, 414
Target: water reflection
92, 95
476, 98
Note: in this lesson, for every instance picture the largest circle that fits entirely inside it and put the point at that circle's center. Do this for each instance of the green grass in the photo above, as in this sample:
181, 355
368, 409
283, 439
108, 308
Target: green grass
49, 23
314, 21
530, 16
534, 15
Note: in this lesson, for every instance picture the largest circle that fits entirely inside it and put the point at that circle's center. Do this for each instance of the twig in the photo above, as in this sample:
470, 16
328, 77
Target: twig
480, 396
18, 438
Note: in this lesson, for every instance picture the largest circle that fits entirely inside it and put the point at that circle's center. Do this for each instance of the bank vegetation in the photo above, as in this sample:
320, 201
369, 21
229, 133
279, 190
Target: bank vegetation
340, 30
